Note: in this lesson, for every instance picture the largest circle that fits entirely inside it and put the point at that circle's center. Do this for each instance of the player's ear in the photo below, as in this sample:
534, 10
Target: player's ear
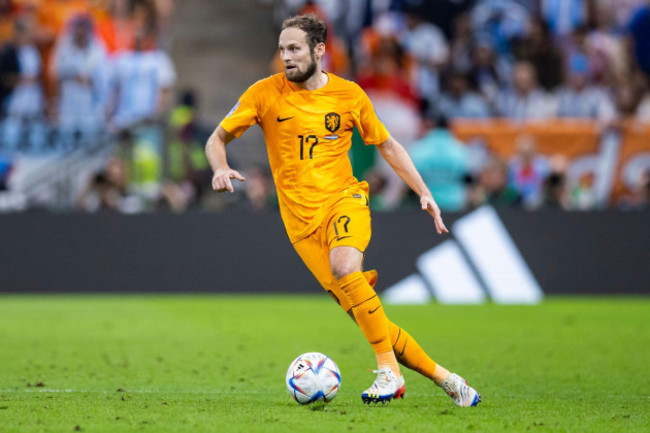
319, 50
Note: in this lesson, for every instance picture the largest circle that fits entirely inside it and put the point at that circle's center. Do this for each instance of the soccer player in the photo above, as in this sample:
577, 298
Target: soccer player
307, 116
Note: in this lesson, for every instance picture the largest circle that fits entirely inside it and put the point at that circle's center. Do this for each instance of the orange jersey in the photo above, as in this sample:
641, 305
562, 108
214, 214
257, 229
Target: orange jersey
308, 135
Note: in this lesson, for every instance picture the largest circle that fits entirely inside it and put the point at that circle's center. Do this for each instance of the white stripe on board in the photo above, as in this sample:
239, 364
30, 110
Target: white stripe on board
496, 258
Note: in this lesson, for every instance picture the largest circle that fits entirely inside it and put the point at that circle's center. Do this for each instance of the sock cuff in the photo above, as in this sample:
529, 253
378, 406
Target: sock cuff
371, 276
350, 278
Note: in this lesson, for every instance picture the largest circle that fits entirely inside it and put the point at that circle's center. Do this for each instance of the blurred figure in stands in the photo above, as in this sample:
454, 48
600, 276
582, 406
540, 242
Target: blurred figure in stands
25, 103
107, 191
143, 84
462, 44
639, 40
527, 172
442, 161
526, 100
579, 99
604, 46
188, 171
99, 195
555, 184
487, 73
259, 190
459, 101
144, 78
582, 194
386, 73
628, 96
51, 18
427, 45
80, 67
537, 47
493, 187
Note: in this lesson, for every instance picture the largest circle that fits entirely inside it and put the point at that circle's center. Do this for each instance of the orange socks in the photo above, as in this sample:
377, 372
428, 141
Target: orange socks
368, 311
390, 342
409, 353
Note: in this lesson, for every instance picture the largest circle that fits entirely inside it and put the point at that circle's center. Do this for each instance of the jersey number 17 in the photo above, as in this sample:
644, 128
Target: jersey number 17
306, 141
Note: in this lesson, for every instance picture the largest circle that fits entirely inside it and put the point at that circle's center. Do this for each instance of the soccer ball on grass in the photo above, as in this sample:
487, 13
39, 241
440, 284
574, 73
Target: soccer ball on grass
312, 377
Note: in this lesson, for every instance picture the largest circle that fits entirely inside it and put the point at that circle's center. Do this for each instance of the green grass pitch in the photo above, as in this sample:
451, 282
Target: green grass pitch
217, 363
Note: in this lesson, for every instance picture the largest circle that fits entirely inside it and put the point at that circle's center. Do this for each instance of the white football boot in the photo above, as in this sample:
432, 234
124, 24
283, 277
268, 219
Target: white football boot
457, 388
386, 387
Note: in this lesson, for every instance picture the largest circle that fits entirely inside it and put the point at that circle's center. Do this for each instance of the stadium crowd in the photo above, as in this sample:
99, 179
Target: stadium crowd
77, 75
86, 69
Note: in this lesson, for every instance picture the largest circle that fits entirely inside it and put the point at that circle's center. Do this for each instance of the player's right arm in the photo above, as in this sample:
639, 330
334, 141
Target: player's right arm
243, 115
215, 150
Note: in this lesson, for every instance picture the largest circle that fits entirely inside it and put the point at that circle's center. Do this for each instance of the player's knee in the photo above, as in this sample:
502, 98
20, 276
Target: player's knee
343, 269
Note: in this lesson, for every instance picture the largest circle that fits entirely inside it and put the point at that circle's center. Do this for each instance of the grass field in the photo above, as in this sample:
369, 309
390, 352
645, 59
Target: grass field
217, 363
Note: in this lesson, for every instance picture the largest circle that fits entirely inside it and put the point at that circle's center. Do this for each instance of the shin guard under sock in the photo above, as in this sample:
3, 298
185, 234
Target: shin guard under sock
409, 353
368, 311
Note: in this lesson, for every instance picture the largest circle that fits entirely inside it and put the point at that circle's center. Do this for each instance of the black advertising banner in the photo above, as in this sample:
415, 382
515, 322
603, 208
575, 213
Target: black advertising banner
567, 253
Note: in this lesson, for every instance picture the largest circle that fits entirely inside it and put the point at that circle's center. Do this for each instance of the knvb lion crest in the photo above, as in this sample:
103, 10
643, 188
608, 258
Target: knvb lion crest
332, 122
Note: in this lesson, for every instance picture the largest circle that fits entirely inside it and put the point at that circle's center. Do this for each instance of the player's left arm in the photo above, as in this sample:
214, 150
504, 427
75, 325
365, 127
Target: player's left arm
395, 154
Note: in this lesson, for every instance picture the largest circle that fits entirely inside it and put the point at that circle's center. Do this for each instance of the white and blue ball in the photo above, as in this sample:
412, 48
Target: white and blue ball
312, 377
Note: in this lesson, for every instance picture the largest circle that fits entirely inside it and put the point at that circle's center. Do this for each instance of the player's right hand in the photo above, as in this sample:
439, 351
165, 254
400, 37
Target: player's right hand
221, 180
429, 205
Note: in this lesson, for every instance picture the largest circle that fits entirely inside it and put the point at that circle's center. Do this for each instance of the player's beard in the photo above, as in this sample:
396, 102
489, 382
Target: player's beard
301, 77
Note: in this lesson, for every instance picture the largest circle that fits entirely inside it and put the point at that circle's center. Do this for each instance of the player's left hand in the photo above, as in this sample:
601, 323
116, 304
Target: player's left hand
429, 205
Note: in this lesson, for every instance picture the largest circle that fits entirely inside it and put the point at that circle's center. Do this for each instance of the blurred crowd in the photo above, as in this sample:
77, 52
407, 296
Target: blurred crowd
83, 65
74, 72
78, 75
518, 59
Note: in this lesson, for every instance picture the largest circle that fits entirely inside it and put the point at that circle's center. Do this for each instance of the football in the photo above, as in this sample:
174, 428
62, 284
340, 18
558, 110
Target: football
312, 377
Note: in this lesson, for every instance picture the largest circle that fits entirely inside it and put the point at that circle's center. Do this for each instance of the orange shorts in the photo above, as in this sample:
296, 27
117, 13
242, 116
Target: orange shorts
347, 223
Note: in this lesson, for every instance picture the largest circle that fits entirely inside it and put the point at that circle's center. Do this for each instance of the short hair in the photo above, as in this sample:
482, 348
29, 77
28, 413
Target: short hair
315, 28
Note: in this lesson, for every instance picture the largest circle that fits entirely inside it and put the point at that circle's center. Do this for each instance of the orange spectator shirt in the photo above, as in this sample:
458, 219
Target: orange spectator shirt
308, 135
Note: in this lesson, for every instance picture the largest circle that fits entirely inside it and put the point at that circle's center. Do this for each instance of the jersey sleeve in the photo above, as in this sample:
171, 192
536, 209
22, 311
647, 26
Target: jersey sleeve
372, 131
245, 113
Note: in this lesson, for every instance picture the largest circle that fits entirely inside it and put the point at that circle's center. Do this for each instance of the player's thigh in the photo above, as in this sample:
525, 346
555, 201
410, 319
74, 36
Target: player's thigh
348, 224
315, 255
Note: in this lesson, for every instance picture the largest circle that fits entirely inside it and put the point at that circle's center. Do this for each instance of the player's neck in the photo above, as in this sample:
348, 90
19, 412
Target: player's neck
316, 81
